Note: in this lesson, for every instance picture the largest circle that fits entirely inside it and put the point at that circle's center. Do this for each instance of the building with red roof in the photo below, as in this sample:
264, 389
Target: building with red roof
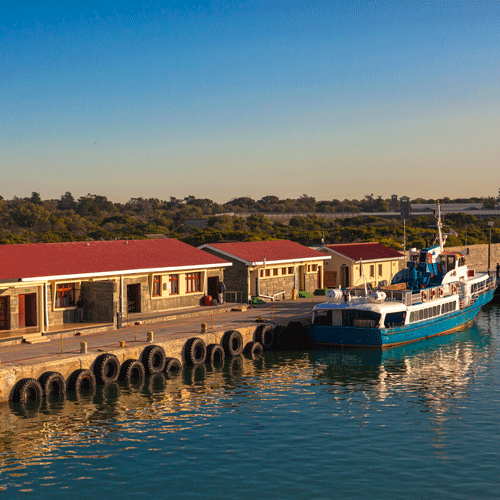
40, 283
352, 264
270, 269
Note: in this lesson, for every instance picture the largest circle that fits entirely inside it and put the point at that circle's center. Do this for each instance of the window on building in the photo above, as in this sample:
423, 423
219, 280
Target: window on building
193, 282
268, 272
262, 273
275, 272
314, 267
308, 268
283, 271
372, 271
380, 269
156, 285
65, 294
173, 280
290, 270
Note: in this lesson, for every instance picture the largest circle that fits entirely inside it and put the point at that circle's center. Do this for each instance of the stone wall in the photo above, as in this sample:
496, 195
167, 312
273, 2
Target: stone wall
478, 256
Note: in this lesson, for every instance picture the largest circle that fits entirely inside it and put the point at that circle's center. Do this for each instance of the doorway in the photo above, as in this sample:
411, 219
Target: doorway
344, 276
27, 310
4, 313
134, 298
213, 287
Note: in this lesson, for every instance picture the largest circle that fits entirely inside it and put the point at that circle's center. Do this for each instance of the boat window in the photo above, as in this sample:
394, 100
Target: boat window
435, 310
413, 316
368, 319
421, 314
450, 262
423, 257
394, 319
426, 313
320, 316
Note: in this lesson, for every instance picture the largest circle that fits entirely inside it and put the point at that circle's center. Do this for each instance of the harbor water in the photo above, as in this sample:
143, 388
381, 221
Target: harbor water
417, 421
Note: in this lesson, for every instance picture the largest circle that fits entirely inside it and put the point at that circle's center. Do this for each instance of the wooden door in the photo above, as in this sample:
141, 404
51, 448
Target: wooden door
21, 302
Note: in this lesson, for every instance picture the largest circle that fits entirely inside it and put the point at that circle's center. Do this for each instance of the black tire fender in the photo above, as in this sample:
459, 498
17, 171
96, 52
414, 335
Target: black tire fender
194, 351
26, 390
278, 337
253, 349
297, 335
232, 343
52, 383
264, 336
106, 368
132, 370
173, 367
82, 381
215, 354
153, 358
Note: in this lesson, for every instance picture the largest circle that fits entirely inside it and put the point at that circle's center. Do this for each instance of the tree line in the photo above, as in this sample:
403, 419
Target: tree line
31, 220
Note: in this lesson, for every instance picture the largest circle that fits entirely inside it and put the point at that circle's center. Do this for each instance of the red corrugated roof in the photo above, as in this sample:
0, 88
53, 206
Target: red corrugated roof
365, 251
92, 257
272, 251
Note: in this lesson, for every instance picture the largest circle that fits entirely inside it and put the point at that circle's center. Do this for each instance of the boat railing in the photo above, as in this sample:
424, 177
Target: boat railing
410, 297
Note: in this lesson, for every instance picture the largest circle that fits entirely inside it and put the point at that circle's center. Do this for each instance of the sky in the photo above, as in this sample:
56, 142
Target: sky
221, 99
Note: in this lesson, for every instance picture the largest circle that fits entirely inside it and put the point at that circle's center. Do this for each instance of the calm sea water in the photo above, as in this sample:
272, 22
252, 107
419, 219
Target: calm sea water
417, 421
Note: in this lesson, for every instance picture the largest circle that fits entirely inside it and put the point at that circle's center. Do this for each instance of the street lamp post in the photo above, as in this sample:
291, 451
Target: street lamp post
490, 225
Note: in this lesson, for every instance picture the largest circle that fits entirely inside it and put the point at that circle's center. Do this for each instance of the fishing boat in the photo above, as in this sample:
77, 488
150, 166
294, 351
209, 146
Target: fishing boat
435, 294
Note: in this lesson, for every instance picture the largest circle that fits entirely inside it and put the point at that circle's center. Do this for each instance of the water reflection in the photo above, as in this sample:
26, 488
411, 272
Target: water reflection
435, 372
433, 376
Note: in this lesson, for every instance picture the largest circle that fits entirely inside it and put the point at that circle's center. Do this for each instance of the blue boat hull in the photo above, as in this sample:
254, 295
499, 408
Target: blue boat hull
349, 336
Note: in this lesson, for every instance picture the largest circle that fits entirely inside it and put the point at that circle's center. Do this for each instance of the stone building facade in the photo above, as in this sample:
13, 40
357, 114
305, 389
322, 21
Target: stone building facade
116, 279
272, 270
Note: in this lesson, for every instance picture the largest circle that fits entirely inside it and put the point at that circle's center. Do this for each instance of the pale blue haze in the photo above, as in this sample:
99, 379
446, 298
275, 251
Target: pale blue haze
417, 421
222, 99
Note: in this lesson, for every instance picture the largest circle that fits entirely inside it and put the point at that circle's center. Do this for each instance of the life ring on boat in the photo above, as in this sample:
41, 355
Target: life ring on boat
424, 296
453, 288
433, 293
441, 292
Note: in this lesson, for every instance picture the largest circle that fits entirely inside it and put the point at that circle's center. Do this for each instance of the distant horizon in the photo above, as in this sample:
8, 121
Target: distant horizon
167, 199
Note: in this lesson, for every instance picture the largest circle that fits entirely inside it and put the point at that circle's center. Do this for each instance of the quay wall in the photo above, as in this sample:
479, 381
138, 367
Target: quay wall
66, 364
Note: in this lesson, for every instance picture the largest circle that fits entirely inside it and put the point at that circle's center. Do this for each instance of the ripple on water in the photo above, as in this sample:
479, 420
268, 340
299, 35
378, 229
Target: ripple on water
411, 422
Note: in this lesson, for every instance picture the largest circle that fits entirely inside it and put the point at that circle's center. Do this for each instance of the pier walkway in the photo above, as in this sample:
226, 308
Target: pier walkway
168, 329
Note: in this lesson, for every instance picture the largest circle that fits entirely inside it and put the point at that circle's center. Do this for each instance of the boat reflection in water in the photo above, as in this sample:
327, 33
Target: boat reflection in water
437, 371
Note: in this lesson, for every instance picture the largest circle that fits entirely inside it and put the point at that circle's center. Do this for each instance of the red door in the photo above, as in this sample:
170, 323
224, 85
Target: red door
22, 310
27, 310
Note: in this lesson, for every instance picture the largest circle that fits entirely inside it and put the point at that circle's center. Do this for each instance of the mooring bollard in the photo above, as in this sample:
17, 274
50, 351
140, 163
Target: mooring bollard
203, 328
122, 343
83, 347
150, 336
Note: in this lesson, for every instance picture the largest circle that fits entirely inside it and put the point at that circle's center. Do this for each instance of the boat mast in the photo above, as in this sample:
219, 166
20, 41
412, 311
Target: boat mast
439, 227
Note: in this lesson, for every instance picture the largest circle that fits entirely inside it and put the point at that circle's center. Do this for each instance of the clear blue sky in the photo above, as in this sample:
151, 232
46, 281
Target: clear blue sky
334, 99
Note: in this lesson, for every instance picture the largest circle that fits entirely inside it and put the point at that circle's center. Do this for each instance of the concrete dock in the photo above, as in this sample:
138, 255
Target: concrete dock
62, 352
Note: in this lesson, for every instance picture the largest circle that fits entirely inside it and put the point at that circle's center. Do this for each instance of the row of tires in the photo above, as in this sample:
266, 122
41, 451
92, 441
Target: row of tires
107, 368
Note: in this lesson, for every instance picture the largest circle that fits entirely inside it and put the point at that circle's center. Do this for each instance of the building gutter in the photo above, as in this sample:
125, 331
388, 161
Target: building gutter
123, 273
